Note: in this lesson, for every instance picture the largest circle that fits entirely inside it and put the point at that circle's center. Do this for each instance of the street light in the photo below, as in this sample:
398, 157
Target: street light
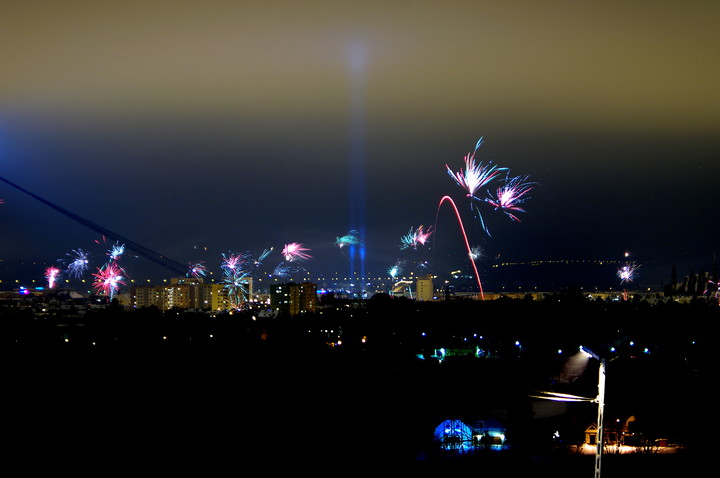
601, 408
600, 400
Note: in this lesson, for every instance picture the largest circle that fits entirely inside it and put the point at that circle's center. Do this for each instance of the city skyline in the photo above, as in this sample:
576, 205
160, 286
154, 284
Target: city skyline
199, 130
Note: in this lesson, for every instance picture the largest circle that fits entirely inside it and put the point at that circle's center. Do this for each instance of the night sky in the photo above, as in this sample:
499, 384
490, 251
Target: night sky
199, 128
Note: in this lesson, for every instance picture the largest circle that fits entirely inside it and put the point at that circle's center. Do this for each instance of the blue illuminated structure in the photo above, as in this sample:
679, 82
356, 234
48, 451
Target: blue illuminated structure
463, 437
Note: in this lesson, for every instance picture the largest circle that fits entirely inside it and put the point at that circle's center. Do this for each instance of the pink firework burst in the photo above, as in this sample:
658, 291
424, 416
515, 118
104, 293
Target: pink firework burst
476, 175
233, 262
510, 195
51, 274
236, 263
108, 279
708, 290
295, 251
423, 235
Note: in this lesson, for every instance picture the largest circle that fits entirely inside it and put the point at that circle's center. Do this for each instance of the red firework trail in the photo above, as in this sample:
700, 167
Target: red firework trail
467, 244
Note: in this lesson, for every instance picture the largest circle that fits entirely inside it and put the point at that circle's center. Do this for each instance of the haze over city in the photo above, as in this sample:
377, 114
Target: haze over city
197, 129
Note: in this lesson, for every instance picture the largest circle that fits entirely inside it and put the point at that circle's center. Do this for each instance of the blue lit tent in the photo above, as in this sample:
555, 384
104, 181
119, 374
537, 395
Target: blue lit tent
454, 434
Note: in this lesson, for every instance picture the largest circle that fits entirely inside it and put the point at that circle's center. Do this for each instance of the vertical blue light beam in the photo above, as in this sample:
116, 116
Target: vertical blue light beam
356, 55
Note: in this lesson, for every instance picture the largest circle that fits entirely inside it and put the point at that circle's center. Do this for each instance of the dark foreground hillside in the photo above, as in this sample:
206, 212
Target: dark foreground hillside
267, 396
